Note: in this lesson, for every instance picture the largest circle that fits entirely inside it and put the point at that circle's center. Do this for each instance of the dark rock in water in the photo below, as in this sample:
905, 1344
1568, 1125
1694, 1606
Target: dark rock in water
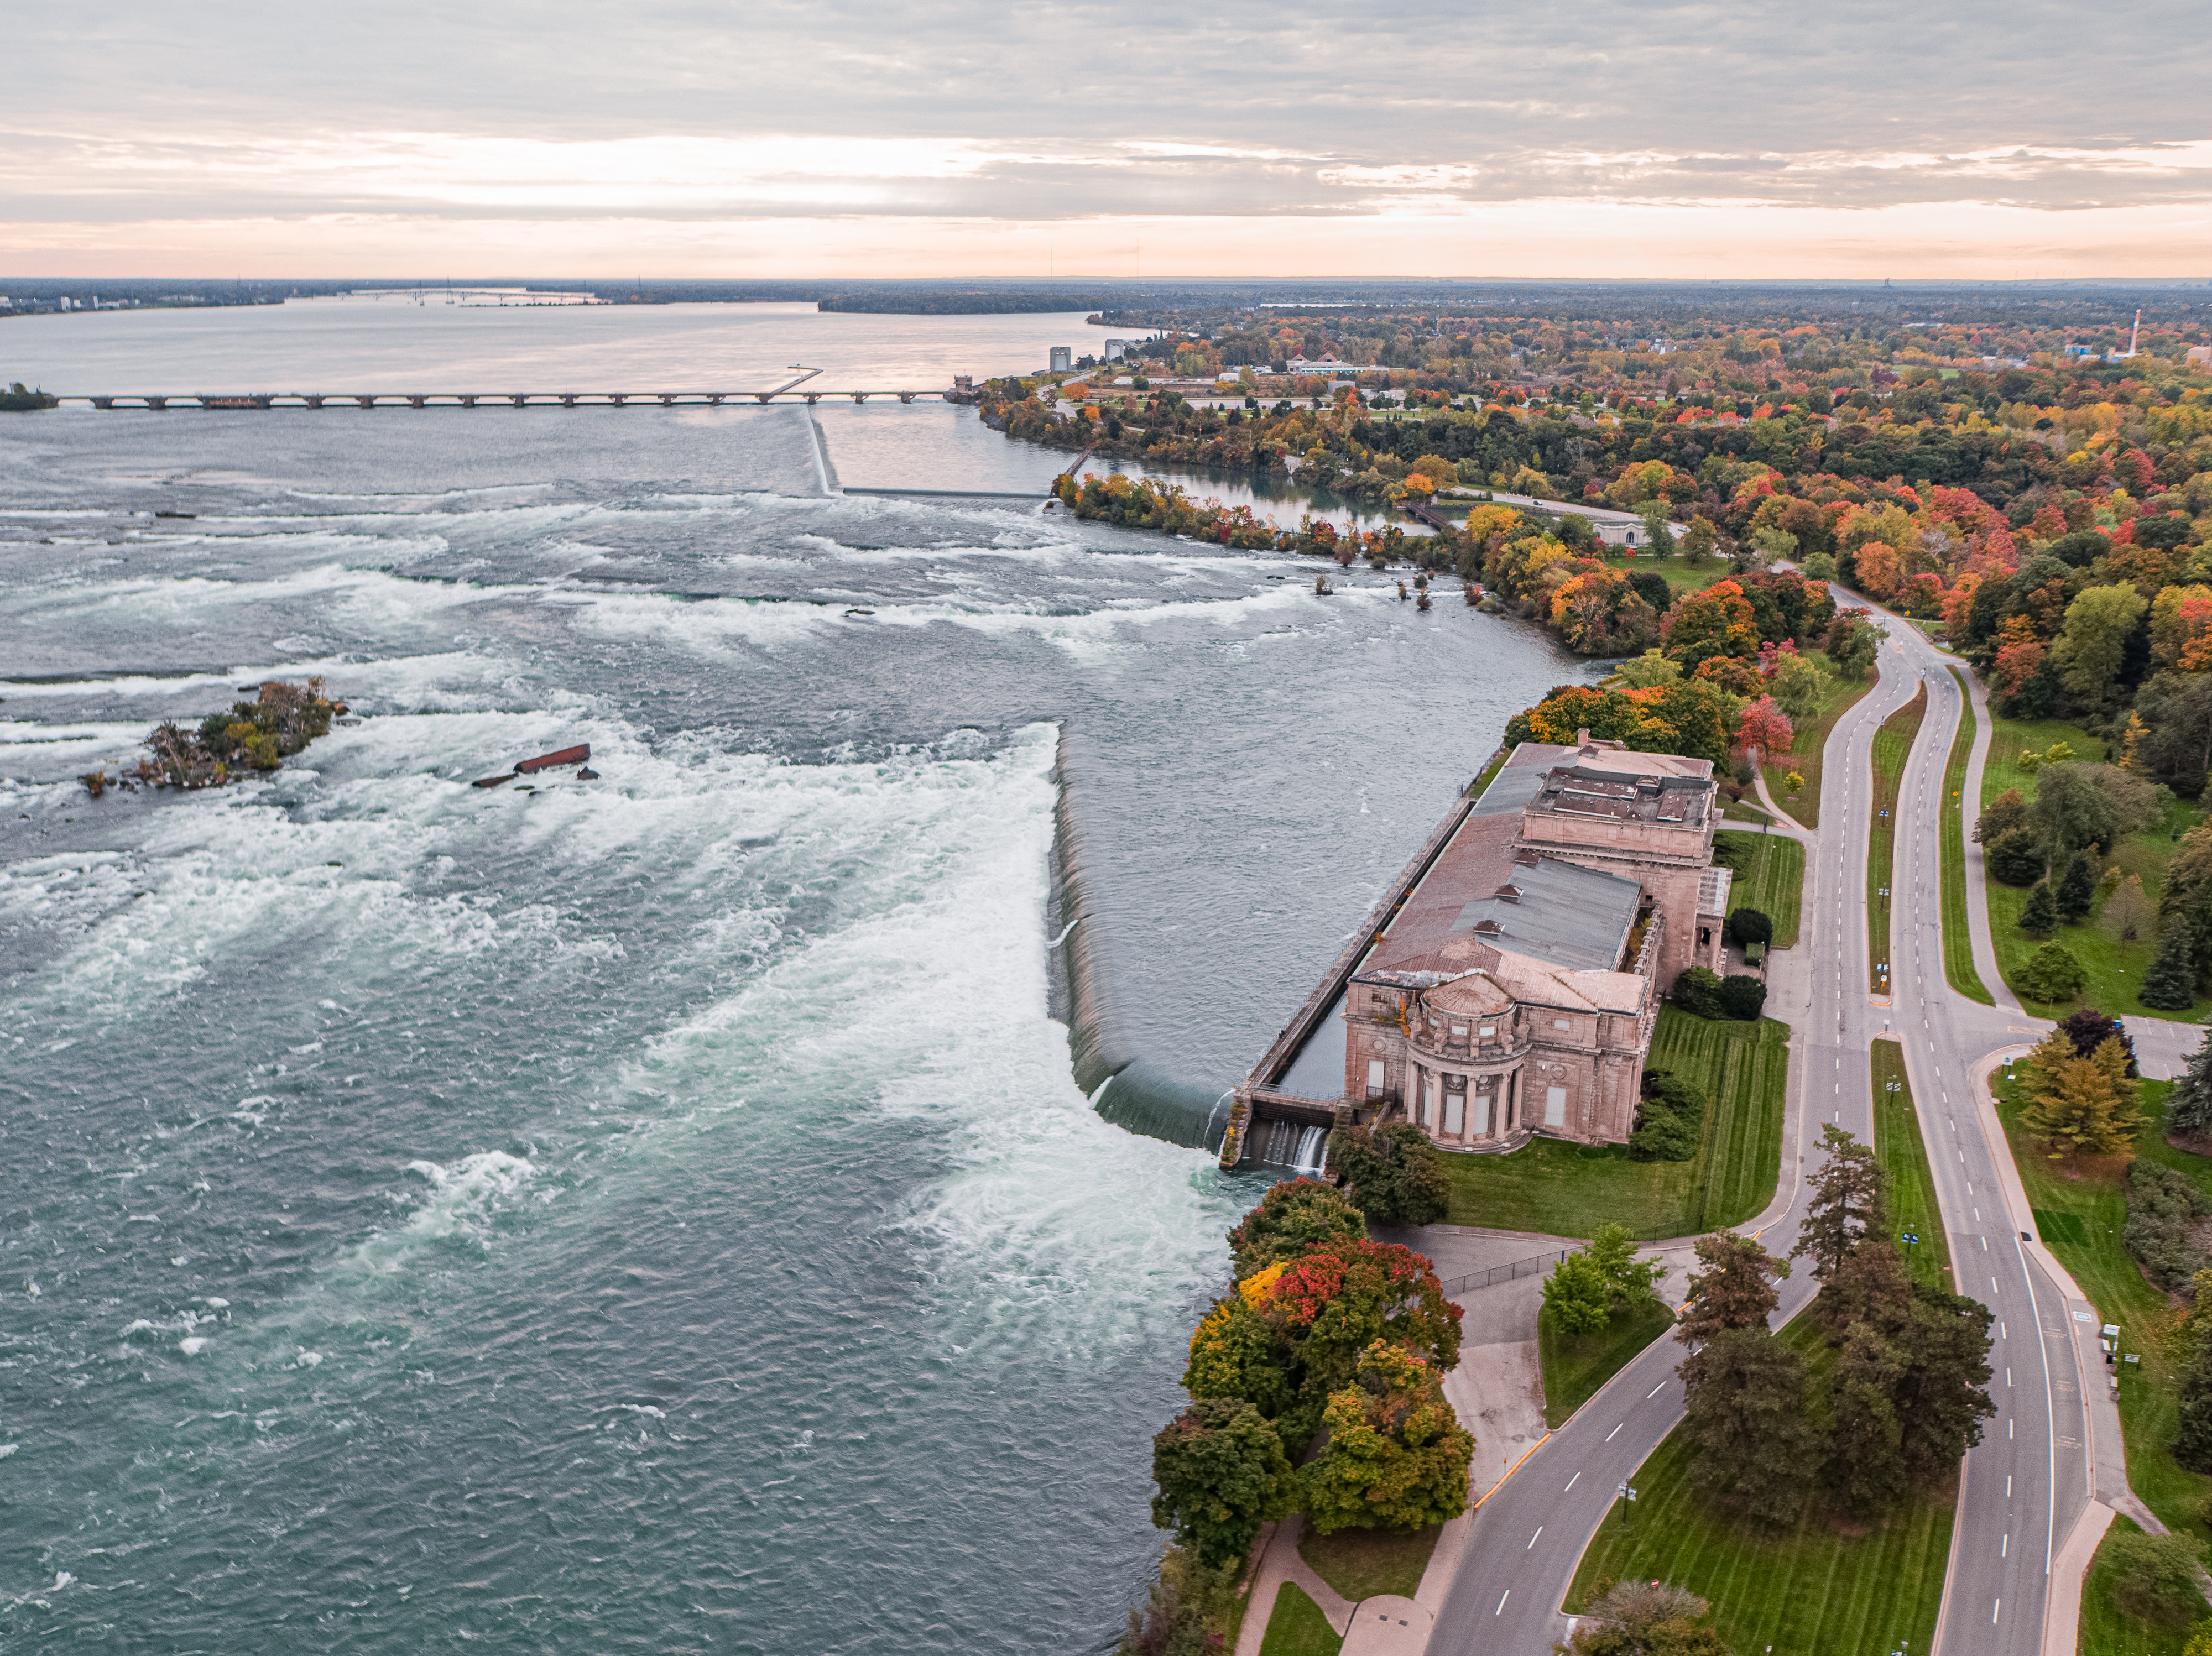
587, 775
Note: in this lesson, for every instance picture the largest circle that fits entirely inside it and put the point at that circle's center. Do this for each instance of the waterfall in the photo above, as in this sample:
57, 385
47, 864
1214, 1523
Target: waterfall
1312, 1144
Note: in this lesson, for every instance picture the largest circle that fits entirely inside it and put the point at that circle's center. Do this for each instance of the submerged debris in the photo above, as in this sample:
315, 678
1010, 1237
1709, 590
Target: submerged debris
253, 736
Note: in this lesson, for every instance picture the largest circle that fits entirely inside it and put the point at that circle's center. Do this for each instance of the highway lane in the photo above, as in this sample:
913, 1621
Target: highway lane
2028, 1478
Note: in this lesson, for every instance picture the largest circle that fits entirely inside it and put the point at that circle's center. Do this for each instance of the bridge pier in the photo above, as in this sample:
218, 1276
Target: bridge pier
414, 402
366, 402
157, 402
103, 402
714, 401
568, 399
908, 396
859, 397
468, 399
520, 399
313, 401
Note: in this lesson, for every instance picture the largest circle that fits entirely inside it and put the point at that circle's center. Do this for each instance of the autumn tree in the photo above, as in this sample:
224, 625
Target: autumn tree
1294, 1216
2076, 1104
1764, 728
1221, 1474
1397, 1455
1717, 622
2004, 814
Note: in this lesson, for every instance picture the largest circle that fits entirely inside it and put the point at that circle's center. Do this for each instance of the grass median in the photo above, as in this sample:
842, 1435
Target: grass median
1814, 1587
1565, 1189
1808, 753
1903, 1154
1958, 937
1769, 871
1296, 1626
1892, 745
1576, 1365
2081, 1208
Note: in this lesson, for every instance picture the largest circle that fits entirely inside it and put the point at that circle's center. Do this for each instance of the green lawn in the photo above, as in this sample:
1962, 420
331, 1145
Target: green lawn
2080, 1211
1743, 811
2105, 1629
1360, 1563
1770, 877
2115, 969
1958, 939
1576, 1365
1297, 1626
1892, 743
1903, 1157
1566, 1189
1808, 753
1813, 1588
1677, 573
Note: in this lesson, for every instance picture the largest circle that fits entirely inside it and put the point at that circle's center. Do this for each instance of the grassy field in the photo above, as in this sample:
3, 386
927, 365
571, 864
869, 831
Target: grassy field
1360, 1563
1565, 1189
1814, 1589
1770, 877
1677, 573
2080, 1210
1892, 743
1808, 753
1958, 940
1903, 1157
1741, 810
2115, 969
1576, 1365
1297, 1626
2106, 1629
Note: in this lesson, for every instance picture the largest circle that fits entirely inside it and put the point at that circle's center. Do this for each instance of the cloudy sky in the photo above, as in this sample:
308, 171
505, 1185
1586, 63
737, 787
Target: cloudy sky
953, 139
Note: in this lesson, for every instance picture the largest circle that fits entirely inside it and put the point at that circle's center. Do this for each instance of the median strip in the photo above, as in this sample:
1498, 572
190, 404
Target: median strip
1892, 743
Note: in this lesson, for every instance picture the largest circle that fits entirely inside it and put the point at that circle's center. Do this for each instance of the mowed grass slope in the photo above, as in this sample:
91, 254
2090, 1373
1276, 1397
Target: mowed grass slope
1770, 877
1814, 1587
1807, 753
2081, 1211
1565, 1189
1898, 1147
2115, 969
1958, 940
1576, 1365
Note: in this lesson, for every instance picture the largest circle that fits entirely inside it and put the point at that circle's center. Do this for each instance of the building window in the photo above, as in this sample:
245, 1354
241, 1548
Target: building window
1482, 1114
1455, 1115
1561, 1024
1374, 1077
1459, 1031
1555, 1107
1704, 937
1429, 1103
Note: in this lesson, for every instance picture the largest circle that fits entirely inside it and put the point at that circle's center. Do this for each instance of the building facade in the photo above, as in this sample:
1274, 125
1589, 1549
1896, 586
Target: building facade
1515, 988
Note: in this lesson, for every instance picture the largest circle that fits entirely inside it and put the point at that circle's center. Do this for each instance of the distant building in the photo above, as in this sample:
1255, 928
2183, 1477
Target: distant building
1063, 359
1319, 365
1116, 349
2198, 356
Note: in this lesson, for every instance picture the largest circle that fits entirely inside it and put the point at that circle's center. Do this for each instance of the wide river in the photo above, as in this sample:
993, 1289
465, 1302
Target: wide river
653, 1213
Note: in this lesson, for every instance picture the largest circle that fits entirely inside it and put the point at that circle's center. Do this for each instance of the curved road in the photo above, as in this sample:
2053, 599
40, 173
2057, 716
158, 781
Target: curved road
2028, 1478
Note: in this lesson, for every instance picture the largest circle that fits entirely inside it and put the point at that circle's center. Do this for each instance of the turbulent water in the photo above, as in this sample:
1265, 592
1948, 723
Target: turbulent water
657, 1212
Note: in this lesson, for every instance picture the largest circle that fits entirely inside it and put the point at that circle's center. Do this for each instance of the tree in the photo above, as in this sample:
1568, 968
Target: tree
2189, 1106
2127, 912
1394, 1172
1736, 1290
2153, 1576
1294, 1216
1943, 1397
1853, 642
1699, 541
1656, 530
1696, 992
2040, 916
2079, 1104
1632, 1280
2089, 1028
1668, 1119
1235, 1354
1715, 622
2193, 1448
2091, 650
1222, 1474
1577, 1298
1850, 1202
2007, 812
1188, 1605
2071, 811
1397, 1455
2052, 976
2077, 892
1796, 686
2016, 858
1750, 925
2186, 900
1742, 996
1633, 1618
1648, 671
1793, 782
1764, 728
1329, 1306
1866, 1459
2170, 983
1745, 1413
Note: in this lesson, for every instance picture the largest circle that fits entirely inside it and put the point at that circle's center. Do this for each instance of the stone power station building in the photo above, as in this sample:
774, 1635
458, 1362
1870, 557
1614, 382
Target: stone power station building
1509, 982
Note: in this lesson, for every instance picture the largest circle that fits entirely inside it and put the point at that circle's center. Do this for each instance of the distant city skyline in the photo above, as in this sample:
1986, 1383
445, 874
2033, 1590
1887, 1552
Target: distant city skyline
1982, 141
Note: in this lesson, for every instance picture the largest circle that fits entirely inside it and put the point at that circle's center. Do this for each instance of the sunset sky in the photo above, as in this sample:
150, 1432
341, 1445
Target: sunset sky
957, 139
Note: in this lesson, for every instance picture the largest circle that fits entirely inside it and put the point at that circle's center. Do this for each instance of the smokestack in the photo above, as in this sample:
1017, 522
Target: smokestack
2134, 331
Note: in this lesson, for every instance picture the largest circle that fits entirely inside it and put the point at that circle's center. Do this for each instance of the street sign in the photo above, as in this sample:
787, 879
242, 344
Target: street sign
1912, 1237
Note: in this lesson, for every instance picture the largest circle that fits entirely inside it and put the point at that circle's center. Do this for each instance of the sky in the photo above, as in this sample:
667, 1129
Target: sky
955, 139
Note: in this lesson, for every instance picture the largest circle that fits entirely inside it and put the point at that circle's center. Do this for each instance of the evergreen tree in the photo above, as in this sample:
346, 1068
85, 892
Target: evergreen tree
1734, 1290
2077, 1104
2170, 985
2077, 891
1866, 1458
1850, 1202
2053, 973
2041, 914
1222, 1474
2193, 1448
1744, 1410
1870, 1286
2190, 1105
1943, 1397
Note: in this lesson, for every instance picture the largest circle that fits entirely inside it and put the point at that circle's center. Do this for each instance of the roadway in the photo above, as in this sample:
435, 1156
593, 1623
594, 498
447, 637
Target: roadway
2027, 1479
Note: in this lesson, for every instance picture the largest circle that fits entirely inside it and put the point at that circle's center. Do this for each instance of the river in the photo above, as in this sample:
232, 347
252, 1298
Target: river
658, 1212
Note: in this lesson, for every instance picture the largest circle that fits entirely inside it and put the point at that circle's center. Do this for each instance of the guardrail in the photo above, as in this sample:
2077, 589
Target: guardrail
1535, 1264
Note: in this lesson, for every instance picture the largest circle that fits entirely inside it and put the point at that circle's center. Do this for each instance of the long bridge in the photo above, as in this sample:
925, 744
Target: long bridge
520, 399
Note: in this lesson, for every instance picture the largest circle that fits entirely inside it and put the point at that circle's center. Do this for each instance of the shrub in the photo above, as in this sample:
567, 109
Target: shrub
2163, 1207
2153, 1576
2053, 974
1749, 925
2016, 858
1743, 998
1696, 992
1394, 1173
1669, 1120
